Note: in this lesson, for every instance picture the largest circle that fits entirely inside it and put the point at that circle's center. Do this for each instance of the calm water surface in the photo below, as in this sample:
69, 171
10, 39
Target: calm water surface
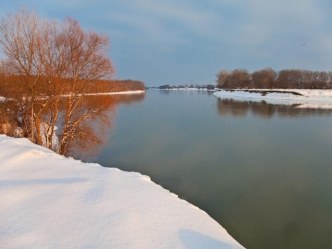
264, 172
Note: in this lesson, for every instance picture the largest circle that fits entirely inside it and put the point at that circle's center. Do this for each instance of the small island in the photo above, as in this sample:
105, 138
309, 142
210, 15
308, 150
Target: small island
299, 88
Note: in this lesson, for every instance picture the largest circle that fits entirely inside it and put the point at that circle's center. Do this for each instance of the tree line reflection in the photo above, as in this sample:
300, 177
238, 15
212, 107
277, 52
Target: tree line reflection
94, 134
235, 108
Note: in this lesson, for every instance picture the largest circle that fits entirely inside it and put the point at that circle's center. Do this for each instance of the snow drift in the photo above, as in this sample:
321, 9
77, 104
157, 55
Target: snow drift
49, 201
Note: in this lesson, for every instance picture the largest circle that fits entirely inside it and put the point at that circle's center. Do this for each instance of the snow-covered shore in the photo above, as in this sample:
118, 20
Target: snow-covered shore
111, 93
117, 93
49, 201
301, 98
105, 93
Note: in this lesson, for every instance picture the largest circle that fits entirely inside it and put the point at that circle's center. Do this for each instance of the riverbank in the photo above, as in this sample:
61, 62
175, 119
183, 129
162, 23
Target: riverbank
300, 98
117, 93
51, 201
111, 93
134, 92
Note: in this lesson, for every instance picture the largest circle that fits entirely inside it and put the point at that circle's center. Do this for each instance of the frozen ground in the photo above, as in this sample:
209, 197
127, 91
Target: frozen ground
49, 201
304, 98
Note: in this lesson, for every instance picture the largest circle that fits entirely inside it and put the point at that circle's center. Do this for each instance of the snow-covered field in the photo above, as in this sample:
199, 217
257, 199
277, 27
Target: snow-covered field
49, 201
307, 98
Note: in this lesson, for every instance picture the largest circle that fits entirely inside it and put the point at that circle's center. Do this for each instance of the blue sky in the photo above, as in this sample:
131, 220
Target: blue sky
177, 42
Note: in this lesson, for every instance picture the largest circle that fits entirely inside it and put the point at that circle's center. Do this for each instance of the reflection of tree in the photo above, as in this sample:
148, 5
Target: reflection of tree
93, 134
230, 107
89, 136
8, 117
263, 109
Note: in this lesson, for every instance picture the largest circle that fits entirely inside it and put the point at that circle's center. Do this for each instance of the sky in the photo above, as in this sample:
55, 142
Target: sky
190, 41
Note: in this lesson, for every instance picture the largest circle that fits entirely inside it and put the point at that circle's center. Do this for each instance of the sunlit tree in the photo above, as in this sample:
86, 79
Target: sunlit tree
53, 63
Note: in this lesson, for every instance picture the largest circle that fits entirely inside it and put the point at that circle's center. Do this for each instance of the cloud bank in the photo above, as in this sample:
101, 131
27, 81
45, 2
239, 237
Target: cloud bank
190, 41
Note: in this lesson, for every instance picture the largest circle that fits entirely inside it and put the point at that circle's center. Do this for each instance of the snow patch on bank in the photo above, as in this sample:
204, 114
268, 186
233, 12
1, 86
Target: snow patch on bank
304, 98
49, 201
117, 93
109, 93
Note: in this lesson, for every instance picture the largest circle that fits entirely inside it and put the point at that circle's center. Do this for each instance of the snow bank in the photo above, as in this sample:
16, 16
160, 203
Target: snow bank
49, 201
306, 98
110, 93
117, 93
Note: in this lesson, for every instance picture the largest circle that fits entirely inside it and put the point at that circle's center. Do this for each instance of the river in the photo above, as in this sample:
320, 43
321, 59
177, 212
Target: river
264, 172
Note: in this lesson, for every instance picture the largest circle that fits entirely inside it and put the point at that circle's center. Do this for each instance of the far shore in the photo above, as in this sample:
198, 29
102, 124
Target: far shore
299, 98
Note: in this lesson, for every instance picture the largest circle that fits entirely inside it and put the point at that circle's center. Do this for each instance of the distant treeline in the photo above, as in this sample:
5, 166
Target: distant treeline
268, 78
102, 86
10, 85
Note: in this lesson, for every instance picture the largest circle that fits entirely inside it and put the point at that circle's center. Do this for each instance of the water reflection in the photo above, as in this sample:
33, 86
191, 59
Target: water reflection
266, 180
95, 134
236, 108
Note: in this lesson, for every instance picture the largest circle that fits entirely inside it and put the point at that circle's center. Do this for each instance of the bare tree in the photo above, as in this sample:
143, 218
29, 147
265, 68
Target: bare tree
18, 38
222, 79
86, 62
263, 78
268, 78
240, 78
54, 63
